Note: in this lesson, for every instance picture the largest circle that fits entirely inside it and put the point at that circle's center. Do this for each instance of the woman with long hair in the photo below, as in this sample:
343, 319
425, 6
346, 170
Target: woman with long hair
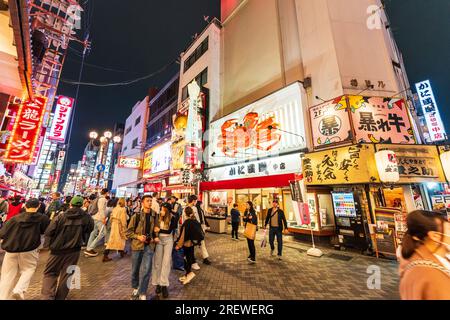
250, 216
425, 257
117, 238
162, 260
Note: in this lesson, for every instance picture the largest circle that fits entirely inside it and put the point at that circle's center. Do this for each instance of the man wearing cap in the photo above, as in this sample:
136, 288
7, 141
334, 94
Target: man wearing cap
64, 238
278, 224
21, 236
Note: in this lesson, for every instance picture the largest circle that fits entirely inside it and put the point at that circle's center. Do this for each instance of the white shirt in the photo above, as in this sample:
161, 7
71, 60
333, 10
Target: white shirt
100, 215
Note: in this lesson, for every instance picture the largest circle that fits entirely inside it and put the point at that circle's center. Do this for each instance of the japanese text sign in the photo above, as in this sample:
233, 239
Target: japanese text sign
129, 163
381, 120
330, 123
417, 164
346, 165
26, 131
61, 119
430, 110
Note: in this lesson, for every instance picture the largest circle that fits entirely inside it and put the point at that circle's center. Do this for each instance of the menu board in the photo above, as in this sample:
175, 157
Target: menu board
344, 205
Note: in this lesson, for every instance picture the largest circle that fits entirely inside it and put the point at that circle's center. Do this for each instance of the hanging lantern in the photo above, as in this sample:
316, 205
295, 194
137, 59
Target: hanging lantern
445, 160
387, 166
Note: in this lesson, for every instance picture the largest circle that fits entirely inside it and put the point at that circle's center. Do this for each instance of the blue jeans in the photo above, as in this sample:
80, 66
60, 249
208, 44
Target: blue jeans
96, 235
279, 234
141, 259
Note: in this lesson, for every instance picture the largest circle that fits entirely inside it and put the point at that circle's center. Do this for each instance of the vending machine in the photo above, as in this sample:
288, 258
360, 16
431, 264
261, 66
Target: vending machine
349, 221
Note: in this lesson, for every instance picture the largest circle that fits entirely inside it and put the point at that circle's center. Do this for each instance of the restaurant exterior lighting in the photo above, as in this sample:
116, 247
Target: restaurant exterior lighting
117, 139
387, 166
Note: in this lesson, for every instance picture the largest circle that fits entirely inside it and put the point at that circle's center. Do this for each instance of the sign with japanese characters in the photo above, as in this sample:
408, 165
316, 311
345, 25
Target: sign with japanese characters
381, 120
271, 126
330, 123
26, 131
268, 167
61, 119
417, 164
431, 112
129, 163
346, 165
157, 160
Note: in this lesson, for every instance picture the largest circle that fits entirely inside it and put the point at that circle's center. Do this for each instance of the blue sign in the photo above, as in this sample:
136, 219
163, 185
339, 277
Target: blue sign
101, 167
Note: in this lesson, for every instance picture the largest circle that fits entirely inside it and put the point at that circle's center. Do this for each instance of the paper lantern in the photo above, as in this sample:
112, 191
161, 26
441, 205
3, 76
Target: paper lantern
445, 160
387, 166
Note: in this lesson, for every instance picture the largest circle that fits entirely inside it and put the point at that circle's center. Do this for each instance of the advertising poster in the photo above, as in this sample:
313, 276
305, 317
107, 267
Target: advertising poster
330, 123
381, 120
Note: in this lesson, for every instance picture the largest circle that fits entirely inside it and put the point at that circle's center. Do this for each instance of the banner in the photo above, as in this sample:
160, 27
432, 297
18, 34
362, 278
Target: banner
61, 119
26, 131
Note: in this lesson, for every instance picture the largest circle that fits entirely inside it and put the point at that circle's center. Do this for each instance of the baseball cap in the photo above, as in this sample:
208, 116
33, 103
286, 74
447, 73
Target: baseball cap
77, 201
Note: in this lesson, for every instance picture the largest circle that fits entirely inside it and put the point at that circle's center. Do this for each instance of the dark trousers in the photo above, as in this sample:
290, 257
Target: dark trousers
251, 248
189, 258
108, 251
234, 229
276, 232
58, 267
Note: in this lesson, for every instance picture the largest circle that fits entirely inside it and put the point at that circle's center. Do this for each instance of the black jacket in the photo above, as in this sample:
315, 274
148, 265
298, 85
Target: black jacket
235, 215
282, 223
192, 231
66, 233
22, 233
253, 219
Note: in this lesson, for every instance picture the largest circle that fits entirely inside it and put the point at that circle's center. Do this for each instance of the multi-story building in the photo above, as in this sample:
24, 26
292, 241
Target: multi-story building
322, 81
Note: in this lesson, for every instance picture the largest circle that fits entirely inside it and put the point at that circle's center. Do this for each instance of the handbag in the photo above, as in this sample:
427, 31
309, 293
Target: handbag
250, 231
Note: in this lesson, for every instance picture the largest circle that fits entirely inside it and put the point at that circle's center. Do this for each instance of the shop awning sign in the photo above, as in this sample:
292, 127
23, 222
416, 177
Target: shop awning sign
129, 163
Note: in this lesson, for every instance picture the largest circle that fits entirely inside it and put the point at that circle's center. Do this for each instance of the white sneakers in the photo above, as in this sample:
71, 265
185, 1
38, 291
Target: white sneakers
195, 266
142, 297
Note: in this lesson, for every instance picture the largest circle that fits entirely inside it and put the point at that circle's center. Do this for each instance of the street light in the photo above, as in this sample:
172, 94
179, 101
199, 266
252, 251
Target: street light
93, 135
117, 139
108, 134
103, 139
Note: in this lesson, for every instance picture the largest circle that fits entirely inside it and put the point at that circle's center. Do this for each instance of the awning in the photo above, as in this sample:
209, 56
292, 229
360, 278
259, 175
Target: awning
276, 181
132, 184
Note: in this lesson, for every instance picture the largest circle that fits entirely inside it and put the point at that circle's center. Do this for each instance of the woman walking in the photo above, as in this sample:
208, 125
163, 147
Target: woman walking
162, 260
117, 238
425, 257
191, 235
251, 222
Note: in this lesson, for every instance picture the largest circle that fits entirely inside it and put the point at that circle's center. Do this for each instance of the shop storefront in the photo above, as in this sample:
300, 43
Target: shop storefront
254, 154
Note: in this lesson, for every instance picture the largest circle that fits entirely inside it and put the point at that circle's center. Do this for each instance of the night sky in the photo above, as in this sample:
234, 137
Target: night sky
139, 39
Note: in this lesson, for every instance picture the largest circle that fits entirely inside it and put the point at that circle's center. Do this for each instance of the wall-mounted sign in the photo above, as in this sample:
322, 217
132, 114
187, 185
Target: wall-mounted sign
153, 187
431, 112
268, 167
346, 165
330, 123
61, 119
268, 127
381, 120
129, 163
26, 131
108, 161
191, 155
218, 198
387, 166
60, 161
417, 163
157, 160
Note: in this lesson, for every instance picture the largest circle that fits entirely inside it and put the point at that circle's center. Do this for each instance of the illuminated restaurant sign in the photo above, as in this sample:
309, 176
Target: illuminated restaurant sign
61, 119
374, 120
157, 160
129, 163
431, 112
271, 126
26, 131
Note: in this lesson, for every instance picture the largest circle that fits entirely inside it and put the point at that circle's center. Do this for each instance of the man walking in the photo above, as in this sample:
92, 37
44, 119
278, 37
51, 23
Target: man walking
21, 238
141, 230
99, 231
277, 221
64, 237
54, 206
235, 220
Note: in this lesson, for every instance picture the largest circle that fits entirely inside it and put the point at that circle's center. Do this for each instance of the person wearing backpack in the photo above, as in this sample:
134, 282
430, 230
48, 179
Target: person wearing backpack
142, 230
99, 231
21, 237
64, 237
191, 235
425, 257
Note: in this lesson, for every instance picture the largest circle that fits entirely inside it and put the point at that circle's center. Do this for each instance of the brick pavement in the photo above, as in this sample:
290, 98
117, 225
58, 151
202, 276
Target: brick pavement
297, 276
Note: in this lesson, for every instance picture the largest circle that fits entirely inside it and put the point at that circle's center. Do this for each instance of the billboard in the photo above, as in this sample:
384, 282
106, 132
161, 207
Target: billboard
129, 163
157, 160
61, 119
26, 131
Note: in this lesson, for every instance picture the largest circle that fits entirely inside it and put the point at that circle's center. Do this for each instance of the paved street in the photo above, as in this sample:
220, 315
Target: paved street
298, 276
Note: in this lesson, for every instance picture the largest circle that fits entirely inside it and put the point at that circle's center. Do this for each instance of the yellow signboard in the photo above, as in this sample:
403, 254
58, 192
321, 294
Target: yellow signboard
418, 163
177, 150
347, 165
147, 167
